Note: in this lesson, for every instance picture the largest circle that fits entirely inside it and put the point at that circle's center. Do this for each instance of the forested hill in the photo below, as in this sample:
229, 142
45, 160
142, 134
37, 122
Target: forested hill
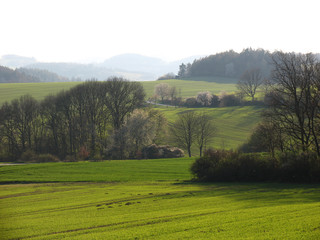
228, 64
24, 75
7, 75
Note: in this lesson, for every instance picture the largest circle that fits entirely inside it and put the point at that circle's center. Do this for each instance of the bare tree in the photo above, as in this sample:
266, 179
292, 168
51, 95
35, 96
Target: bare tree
162, 90
172, 93
295, 103
184, 130
205, 131
249, 82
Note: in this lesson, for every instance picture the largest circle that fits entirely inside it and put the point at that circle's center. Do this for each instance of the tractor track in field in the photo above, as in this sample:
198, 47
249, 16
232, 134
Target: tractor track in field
102, 203
132, 223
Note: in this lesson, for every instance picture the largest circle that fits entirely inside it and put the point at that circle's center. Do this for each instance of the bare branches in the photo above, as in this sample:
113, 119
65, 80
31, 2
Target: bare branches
192, 128
249, 82
295, 98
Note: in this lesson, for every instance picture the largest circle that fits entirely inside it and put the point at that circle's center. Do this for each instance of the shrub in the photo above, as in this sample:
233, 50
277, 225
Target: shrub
303, 167
229, 100
233, 166
28, 156
47, 158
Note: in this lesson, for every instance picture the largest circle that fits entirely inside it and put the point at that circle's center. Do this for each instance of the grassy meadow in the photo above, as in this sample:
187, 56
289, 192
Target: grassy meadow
148, 199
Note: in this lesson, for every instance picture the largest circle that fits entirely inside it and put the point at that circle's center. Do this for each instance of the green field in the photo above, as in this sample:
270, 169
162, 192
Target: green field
10, 91
148, 199
234, 124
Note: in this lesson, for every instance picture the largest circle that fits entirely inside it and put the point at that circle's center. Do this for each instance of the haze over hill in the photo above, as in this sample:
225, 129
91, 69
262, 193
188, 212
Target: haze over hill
131, 66
228, 64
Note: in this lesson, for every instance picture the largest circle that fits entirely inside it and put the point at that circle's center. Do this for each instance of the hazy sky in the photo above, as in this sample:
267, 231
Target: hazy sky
73, 30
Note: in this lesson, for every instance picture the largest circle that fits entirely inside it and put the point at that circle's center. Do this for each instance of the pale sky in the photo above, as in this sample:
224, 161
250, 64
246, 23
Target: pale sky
75, 30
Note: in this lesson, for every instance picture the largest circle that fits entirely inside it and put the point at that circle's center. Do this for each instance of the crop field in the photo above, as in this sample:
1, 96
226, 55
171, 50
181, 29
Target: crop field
10, 91
148, 199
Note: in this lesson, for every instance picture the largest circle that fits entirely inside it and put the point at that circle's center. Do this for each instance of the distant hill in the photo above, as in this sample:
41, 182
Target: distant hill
43, 75
14, 61
155, 67
131, 66
8, 75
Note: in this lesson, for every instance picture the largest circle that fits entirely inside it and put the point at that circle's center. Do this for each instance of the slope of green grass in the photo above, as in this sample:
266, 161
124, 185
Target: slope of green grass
143, 208
234, 124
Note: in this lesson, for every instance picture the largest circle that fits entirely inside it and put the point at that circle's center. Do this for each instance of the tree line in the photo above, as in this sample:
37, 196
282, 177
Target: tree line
96, 120
73, 122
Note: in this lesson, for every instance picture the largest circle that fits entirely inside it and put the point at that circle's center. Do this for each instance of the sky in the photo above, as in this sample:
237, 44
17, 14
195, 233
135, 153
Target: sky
94, 30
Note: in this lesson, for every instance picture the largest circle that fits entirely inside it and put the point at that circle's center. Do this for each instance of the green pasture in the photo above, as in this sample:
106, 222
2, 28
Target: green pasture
148, 199
234, 124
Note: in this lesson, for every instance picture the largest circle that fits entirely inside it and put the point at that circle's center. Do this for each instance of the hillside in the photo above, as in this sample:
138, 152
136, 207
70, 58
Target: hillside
234, 124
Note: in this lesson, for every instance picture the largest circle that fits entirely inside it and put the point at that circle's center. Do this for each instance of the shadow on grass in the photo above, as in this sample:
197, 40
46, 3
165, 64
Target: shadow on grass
259, 193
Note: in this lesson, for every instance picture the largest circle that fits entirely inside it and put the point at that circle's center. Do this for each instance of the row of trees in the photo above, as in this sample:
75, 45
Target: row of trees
248, 87
79, 120
193, 128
